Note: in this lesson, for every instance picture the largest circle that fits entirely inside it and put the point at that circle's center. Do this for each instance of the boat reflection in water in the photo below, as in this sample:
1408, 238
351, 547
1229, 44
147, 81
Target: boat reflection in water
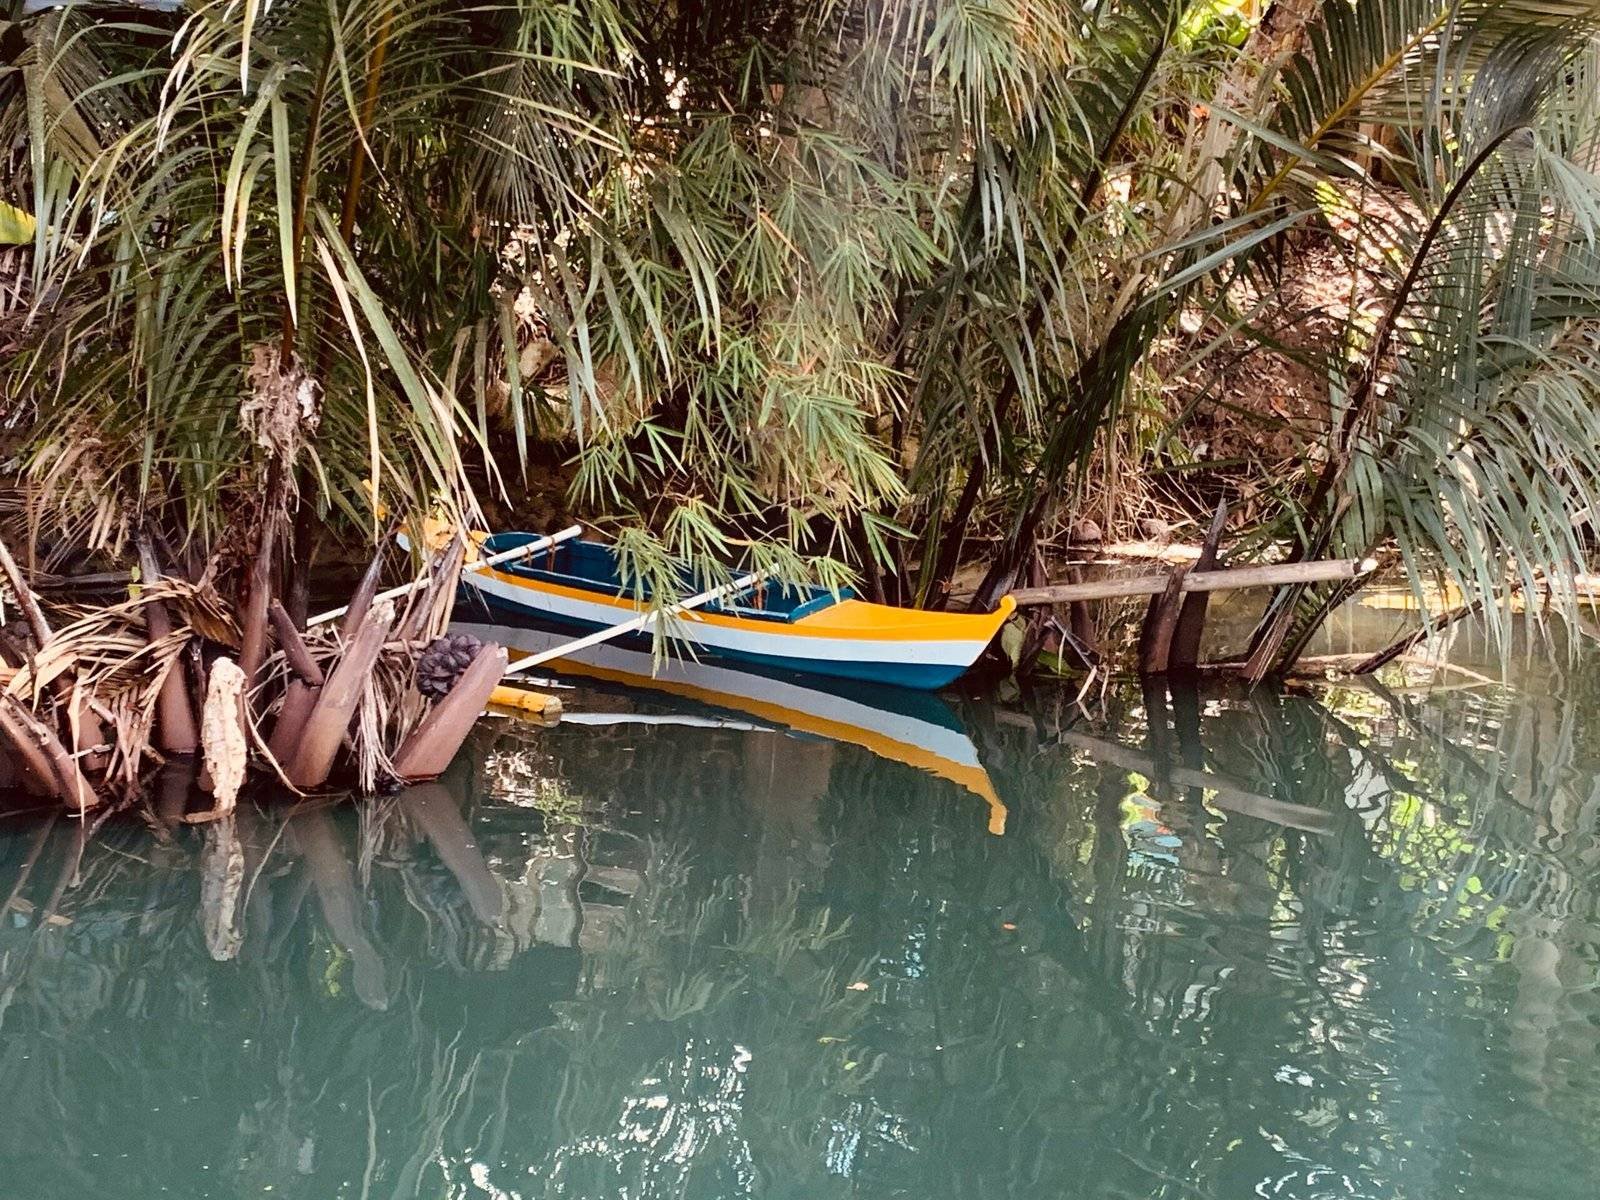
915, 728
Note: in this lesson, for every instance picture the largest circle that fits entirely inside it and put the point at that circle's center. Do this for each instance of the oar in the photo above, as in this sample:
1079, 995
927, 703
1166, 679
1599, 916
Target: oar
505, 556
643, 621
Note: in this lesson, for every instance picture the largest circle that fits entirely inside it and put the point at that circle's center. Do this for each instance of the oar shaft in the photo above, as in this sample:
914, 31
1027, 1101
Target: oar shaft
505, 556
641, 622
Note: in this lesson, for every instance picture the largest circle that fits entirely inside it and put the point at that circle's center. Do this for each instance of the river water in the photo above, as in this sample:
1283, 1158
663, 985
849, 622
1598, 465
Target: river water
732, 937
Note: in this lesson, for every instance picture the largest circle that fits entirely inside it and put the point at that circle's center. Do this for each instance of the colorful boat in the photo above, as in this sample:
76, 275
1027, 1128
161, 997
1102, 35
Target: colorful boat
913, 728
807, 629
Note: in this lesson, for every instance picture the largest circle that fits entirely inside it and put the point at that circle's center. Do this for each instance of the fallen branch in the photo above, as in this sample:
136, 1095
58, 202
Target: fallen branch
26, 603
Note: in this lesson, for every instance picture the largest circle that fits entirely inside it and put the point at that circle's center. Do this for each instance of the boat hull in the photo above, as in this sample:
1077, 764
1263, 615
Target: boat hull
851, 641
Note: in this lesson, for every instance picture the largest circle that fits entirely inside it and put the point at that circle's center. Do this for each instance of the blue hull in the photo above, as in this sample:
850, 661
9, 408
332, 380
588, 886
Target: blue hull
923, 677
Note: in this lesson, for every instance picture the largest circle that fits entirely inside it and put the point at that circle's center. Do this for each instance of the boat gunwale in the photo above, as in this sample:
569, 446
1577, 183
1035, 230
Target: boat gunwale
525, 571
920, 627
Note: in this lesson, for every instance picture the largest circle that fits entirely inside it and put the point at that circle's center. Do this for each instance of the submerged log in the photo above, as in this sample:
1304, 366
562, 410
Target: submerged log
1231, 578
434, 742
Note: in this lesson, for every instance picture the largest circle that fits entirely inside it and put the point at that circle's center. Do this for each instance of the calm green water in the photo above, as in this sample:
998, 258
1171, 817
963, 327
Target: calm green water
716, 959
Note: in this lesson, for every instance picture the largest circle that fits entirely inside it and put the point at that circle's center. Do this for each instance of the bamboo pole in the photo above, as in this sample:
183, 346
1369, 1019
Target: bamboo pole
1322, 571
404, 589
642, 622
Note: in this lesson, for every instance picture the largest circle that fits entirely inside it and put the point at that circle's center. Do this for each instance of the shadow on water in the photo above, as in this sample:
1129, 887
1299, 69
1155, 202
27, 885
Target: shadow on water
749, 942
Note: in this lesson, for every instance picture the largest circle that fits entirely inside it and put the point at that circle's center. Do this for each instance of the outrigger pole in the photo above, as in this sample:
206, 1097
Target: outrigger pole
642, 622
523, 551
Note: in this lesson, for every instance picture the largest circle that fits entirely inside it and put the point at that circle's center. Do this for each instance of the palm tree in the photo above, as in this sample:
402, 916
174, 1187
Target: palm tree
1462, 422
831, 278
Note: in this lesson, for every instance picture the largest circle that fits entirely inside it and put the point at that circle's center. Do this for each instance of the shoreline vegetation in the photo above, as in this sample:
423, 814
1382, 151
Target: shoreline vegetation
938, 301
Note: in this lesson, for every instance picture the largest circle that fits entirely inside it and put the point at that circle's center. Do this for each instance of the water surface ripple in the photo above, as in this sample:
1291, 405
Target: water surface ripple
1198, 946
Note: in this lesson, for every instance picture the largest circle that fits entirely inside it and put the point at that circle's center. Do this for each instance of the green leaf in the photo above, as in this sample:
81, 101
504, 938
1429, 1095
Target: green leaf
282, 169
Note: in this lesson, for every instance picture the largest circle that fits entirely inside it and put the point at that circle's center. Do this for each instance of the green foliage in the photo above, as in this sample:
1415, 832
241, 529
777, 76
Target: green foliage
1467, 429
805, 283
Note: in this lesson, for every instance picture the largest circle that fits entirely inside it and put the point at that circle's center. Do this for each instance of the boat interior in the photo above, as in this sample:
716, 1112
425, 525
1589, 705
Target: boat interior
593, 567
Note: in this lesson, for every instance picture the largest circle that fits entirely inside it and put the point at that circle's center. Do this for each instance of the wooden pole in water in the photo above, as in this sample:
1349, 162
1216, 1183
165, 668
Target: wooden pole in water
1322, 571
1191, 626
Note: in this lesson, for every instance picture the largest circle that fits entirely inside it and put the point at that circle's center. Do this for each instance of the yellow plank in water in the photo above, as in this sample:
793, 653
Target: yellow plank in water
522, 702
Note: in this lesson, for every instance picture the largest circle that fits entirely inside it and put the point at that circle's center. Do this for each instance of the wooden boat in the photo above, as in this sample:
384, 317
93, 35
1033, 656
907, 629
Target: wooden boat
811, 630
913, 728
